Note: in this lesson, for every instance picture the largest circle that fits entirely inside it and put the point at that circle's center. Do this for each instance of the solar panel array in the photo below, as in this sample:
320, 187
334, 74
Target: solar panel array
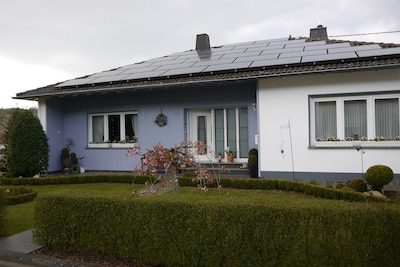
238, 56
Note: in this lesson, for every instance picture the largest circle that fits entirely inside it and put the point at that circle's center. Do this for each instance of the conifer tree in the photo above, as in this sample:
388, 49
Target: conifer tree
27, 150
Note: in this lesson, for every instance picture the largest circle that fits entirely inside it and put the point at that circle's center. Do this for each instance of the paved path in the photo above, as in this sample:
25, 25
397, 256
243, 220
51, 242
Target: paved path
21, 242
15, 252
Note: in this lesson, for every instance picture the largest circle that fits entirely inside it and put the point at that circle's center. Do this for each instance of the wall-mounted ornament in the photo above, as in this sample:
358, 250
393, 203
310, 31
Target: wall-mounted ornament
161, 120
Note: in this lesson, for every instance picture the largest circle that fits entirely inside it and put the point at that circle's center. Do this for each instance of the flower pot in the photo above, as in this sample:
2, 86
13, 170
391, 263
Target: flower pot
229, 158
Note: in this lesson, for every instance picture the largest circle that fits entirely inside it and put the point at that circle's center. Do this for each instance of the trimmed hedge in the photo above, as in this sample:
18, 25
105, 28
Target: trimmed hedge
174, 230
3, 214
287, 185
19, 199
78, 179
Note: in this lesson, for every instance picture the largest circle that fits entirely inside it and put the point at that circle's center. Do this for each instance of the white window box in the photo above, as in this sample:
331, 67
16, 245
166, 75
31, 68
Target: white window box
99, 145
123, 145
350, 144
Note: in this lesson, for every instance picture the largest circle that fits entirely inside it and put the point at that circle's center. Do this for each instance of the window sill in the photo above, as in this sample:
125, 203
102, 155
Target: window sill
113, 145
350, 144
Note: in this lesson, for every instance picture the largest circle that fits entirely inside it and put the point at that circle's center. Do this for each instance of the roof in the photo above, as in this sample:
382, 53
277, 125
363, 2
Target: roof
250, 60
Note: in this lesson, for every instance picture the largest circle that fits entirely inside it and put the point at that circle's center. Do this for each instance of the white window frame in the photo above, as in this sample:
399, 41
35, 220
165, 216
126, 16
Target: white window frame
106, 143
341, 138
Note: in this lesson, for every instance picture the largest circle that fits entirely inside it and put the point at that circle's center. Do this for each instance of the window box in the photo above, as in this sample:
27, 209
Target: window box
123, 145
99, 145
350, 144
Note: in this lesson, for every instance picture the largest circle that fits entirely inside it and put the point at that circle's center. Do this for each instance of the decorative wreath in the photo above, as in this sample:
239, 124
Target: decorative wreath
161, 120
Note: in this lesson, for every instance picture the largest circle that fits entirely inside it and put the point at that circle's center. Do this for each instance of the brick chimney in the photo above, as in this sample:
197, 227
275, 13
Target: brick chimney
318, 34
202, 42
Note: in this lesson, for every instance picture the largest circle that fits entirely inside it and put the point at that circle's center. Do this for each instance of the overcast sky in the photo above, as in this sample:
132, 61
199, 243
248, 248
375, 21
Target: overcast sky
47, 41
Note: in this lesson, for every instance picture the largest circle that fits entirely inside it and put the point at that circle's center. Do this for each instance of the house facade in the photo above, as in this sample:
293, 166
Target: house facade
316, 109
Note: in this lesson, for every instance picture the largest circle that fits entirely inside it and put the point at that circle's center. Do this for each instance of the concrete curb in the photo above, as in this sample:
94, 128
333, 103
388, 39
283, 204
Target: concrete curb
18, 259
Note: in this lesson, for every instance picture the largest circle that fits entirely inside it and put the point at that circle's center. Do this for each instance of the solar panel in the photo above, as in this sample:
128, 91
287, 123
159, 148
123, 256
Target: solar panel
354, 48
184, 71
107, 73
303, 53
78, 81
143, 75
233, 66
140, 70
380, 52
112, 78
326, 46
271, 62
239, 55
283, 50
261, 57
211, 62
236, 56
326, 57
176, 66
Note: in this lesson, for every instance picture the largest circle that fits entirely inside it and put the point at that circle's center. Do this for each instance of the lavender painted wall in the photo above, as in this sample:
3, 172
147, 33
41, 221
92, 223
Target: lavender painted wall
67, 117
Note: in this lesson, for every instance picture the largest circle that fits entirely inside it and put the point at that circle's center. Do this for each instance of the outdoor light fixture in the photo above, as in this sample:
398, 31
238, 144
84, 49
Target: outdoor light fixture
356, 142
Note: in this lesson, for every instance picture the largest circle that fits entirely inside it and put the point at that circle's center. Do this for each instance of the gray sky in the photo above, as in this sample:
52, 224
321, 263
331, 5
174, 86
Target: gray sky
49, 41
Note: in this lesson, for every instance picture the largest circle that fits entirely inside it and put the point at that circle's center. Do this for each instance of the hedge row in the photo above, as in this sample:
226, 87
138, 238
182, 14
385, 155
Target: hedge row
288, 185
77, 179
24, 198
187, 231
264, 184
3, 214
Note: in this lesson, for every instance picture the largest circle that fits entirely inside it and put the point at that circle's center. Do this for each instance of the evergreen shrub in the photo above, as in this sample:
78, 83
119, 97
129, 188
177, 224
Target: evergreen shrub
169, 230
27, 150
358, 185
379, 175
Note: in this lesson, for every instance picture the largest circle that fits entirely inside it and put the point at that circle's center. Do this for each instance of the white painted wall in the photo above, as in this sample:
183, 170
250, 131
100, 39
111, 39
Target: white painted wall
287, 98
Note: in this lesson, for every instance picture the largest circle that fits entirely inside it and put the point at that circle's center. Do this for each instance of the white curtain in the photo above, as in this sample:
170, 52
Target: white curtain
355, 118
98, 128
387, 118
325, 120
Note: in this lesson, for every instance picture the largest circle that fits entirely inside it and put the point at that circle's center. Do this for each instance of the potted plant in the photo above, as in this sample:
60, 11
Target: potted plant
65, 160
252, 163
74, 163
229, 155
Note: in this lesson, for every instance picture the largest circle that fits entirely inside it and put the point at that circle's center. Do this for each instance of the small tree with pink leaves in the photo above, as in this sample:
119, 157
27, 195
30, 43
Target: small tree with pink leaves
167, 160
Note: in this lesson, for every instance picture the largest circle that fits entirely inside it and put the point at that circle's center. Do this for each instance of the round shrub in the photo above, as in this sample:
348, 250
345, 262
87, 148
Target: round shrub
379, 175
340, 185
358, 185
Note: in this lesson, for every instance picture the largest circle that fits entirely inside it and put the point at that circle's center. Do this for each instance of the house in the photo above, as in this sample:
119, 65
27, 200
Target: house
315, 108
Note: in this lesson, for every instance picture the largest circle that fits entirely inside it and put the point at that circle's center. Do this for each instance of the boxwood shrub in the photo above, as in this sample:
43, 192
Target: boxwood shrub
288, 185
175, 230
77, 179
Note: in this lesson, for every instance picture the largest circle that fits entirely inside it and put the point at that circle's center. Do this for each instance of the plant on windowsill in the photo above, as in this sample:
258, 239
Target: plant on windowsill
379, 141
229, 155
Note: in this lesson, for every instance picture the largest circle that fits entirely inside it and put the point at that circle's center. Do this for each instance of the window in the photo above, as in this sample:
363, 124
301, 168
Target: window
231, 130
368, 117
113, 128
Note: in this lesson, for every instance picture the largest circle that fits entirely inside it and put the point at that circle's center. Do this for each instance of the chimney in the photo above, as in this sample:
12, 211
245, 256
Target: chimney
318, 34
202, 42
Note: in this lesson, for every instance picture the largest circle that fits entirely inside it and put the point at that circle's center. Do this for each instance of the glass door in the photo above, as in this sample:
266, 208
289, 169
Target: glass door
200, 129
